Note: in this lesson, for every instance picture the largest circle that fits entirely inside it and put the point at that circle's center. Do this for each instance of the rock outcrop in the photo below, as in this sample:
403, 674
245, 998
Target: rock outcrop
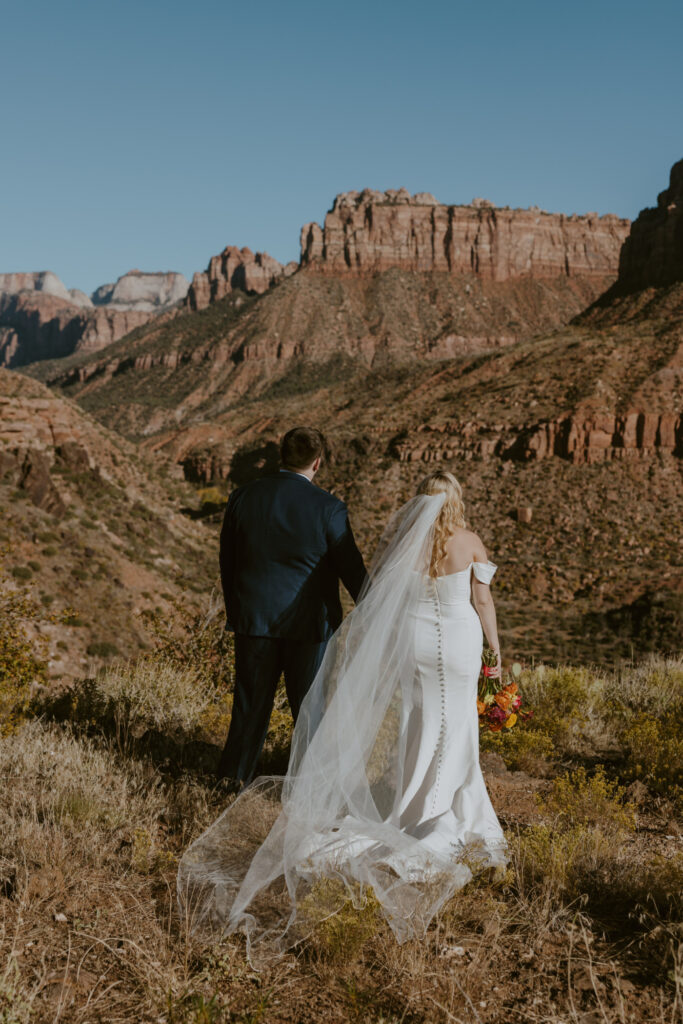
43, 281
600, 436
371, 231
251, 272
148, 293
582, 437
41, 319
652, 255
39, 325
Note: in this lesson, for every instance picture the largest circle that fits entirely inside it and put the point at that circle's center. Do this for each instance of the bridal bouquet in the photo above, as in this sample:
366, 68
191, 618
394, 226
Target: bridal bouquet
498, 703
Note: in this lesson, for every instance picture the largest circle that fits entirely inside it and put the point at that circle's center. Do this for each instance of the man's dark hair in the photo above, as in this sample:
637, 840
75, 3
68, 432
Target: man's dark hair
300, 447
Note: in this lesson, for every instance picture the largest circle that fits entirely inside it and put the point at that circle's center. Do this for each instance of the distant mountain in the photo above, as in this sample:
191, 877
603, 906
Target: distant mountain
41, 319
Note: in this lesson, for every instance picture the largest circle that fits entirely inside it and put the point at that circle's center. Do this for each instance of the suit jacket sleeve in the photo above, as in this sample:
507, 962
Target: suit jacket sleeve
227, 554
346, 558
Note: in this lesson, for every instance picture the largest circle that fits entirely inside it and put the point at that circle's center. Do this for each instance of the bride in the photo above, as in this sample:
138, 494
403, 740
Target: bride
383, 788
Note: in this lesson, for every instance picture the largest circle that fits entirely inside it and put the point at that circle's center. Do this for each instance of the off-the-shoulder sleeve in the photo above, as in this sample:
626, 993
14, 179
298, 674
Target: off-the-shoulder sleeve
484, 571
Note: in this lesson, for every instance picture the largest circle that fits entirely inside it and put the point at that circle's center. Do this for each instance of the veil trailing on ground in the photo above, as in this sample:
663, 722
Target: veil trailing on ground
289, 851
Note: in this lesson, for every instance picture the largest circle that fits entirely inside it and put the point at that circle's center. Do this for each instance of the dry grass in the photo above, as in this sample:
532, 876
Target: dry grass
583, 927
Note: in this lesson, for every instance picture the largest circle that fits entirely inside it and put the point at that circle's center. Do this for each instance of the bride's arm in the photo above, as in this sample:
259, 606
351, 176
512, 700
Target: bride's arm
486, 610
483, 602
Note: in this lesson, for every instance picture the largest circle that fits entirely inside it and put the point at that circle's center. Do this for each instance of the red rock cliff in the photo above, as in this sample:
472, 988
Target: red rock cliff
234, 268
372, 231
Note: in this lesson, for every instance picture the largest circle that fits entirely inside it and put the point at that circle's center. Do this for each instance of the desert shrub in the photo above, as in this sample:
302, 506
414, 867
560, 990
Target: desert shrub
653, 686
211, 500
34, 565
654, 748
151, 694
341, 921
49, 551
644, 704
15, 1003
564, 701
72, 782
577, 798
22, 572
102, 649
22, 662
560, 860
523, 748
194, 640
71, 617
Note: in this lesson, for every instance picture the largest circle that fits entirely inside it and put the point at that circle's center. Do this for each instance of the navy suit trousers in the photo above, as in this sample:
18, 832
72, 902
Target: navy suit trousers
259, 663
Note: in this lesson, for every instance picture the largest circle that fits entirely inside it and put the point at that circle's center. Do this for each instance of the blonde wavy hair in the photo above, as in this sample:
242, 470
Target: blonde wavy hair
451, 515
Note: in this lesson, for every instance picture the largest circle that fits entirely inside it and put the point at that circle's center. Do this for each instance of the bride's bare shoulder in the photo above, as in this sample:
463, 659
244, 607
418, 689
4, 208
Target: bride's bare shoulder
469, 544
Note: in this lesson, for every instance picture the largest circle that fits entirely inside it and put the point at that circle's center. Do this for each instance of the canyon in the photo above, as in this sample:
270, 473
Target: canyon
500, 344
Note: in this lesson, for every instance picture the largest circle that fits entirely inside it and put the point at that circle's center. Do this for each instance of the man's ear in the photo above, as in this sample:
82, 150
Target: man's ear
316, 464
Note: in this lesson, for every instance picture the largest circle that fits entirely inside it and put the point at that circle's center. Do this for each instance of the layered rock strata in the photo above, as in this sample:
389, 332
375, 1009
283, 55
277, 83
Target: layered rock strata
601, 436
371, 231
579, 437
251, 272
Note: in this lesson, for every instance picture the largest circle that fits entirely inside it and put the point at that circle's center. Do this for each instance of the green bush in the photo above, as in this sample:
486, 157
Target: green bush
22, 572
102, 649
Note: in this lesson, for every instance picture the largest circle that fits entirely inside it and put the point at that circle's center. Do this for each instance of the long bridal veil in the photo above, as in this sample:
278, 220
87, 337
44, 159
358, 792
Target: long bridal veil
290, 850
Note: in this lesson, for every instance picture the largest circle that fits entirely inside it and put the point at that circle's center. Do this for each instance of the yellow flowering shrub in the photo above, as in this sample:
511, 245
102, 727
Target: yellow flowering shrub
654, 748
22, 663
579, 799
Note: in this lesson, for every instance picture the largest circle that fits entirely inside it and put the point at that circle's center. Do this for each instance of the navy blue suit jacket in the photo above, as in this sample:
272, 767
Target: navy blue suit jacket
285, 544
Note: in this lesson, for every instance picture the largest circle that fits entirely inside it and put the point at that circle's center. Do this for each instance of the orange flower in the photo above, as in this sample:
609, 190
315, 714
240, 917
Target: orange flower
503, 700
481, 707
510, 688
495, 726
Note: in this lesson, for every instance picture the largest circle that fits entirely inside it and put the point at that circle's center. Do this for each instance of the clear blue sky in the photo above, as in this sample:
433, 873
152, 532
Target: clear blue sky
151, 134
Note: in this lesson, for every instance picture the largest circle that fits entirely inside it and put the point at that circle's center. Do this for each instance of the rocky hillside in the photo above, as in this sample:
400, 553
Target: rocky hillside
567, 436
41, 319
94, 525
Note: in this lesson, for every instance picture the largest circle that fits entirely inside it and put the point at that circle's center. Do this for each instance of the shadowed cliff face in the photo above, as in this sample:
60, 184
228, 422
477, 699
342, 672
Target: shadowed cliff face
41, 319
652, 255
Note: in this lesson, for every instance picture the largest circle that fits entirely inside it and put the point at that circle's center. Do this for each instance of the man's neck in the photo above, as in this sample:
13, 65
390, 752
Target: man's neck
308, 474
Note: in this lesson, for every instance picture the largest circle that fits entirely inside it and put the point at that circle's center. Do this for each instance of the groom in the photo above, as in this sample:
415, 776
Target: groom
285, 544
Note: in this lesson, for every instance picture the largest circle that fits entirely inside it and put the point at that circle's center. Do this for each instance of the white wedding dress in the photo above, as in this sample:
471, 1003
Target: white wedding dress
384, 787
